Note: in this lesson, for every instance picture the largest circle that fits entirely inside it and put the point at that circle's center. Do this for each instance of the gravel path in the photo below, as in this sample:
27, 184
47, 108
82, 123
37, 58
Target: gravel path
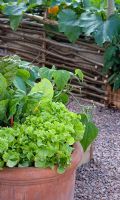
100, 179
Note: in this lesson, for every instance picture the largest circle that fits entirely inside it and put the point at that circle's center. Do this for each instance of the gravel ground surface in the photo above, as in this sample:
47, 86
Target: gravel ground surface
100, 179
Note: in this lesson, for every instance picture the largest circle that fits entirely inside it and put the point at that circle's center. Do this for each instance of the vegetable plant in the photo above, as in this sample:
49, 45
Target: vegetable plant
61, 81
22, 85
44, 131
15, 89
45, 139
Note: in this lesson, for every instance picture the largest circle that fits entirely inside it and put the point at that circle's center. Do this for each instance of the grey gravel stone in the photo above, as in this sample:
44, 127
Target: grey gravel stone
100, 178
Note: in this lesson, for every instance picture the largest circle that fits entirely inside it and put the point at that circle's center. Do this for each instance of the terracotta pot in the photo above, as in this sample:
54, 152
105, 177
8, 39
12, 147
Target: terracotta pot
87, 155
39, 184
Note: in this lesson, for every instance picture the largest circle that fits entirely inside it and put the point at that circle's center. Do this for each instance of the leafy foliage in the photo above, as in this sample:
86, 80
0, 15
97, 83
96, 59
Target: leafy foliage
112, 63
16, 92
45, 87
91, 131
8, 68
60, 80
44, 131
19, 92
69, 24
94, 25
43, 140
75, 17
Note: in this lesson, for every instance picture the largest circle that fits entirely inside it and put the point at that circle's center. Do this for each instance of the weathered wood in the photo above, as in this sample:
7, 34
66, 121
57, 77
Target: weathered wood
37, 45
113, 97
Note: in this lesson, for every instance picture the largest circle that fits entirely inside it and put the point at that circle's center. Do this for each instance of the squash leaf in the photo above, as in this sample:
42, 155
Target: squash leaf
93, 24
69, 24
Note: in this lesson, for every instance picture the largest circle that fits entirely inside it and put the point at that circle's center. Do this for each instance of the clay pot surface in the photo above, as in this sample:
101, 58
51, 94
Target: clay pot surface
87, 155
39, 184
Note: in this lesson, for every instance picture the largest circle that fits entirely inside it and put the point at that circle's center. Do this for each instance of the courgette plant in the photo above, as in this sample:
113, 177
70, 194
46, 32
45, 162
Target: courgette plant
92, 18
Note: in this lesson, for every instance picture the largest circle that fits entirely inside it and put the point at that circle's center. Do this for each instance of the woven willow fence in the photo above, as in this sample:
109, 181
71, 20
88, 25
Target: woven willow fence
33, 43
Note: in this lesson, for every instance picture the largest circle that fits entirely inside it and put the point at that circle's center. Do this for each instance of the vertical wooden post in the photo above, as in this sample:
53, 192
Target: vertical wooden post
110, 7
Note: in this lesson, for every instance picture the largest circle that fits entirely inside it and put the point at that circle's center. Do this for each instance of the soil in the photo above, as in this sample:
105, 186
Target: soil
100, 178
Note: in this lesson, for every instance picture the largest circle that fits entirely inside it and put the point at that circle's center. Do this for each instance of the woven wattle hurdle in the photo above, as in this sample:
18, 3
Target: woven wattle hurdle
42, 47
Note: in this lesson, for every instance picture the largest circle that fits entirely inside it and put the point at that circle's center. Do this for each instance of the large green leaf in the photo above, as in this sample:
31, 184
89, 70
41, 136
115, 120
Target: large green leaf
45, 87
105, 32
19, 83
90, 22
24, 74
14, 9
46, 73
113, 26
61, 78
93, 24
90, 134
15, 21
69, 24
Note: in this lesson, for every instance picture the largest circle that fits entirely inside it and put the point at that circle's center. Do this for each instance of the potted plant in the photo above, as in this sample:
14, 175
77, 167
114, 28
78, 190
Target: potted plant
40, 152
